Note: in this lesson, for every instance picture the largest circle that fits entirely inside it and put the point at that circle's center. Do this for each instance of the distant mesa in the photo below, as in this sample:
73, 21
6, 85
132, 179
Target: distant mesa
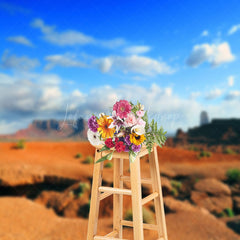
217, 132
52, 129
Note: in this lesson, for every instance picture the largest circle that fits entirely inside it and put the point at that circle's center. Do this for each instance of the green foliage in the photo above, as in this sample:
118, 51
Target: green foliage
148, 216
21, 144
204, 154
176, 187
106, 157
176, 184
128, 215
108, 165
78, 155
194, 148
83, 187
229, 212
233, 176
229, 151
153, 134
88, 160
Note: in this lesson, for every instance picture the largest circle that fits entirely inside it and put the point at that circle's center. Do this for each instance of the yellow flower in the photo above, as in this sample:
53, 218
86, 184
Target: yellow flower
104, 130
137, 139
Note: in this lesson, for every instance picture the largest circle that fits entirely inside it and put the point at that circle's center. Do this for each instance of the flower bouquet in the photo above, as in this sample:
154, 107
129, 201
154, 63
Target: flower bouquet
126, 130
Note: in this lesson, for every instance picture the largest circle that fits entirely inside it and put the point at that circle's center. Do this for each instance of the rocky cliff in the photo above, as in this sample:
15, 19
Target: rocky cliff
52, 129
218, 131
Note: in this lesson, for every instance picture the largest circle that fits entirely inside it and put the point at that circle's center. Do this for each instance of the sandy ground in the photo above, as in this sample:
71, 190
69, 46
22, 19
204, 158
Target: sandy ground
39, 159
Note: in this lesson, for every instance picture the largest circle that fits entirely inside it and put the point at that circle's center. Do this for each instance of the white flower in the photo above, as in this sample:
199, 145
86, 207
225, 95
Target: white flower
141, 122
94, 138
138, 129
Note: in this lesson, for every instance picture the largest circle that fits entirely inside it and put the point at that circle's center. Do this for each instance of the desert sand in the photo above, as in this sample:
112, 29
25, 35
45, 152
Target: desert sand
31, 209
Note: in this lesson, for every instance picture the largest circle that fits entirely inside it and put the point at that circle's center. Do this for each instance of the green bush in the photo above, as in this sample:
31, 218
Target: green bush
78, 155
108, 165
176, 184
88, 160
204, 154
233, 176
148, 216
83, 187
21, 144
194, 148
229, 212
229, 151
176, 187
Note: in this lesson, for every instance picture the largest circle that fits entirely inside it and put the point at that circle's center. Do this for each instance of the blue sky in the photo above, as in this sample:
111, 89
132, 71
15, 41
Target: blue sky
178, 59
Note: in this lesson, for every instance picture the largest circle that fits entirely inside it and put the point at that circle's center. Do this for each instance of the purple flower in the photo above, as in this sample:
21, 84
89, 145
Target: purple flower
136, 148
126, 148
92, 123
127, 140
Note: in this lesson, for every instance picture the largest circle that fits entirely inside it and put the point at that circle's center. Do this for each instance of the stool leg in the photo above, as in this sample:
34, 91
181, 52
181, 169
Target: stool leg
94, 207
117, 198
135, 177
158, 202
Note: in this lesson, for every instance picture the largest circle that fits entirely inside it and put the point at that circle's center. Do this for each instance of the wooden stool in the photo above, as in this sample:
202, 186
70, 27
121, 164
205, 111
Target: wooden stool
99, 193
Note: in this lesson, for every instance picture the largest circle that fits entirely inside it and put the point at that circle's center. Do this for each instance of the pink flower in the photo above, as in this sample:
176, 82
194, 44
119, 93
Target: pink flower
141, 122
130, 120
140, 113
122, 108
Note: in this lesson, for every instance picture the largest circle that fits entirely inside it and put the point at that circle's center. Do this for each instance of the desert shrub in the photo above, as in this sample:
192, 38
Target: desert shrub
194, 148
229, 212
229, 151
204, 154
21, 144
88, 160
108, 165
176, 187
233, 175
148, 216
128, 215
78, 155
83, 187
176, 184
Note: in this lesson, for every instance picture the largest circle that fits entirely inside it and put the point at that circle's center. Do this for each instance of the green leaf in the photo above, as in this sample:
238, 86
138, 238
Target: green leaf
104, 148
106, 157
132, 156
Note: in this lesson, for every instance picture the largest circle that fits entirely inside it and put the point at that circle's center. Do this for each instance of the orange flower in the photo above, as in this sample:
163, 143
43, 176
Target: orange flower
103, 128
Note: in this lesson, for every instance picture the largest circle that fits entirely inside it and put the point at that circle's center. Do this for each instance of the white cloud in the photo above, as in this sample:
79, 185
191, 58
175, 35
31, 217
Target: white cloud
232, 95
43, 96
231, 81
215, 54
213, 94
72, 37
135, 50
63, 61
21, 63
205, 33
4, 78
194, 95
66, 38
20, 40
114, 43
41, 93
133, 64
234, 29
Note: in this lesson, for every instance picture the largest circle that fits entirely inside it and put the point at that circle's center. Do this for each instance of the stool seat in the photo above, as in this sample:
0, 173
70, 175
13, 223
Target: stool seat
100, 192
